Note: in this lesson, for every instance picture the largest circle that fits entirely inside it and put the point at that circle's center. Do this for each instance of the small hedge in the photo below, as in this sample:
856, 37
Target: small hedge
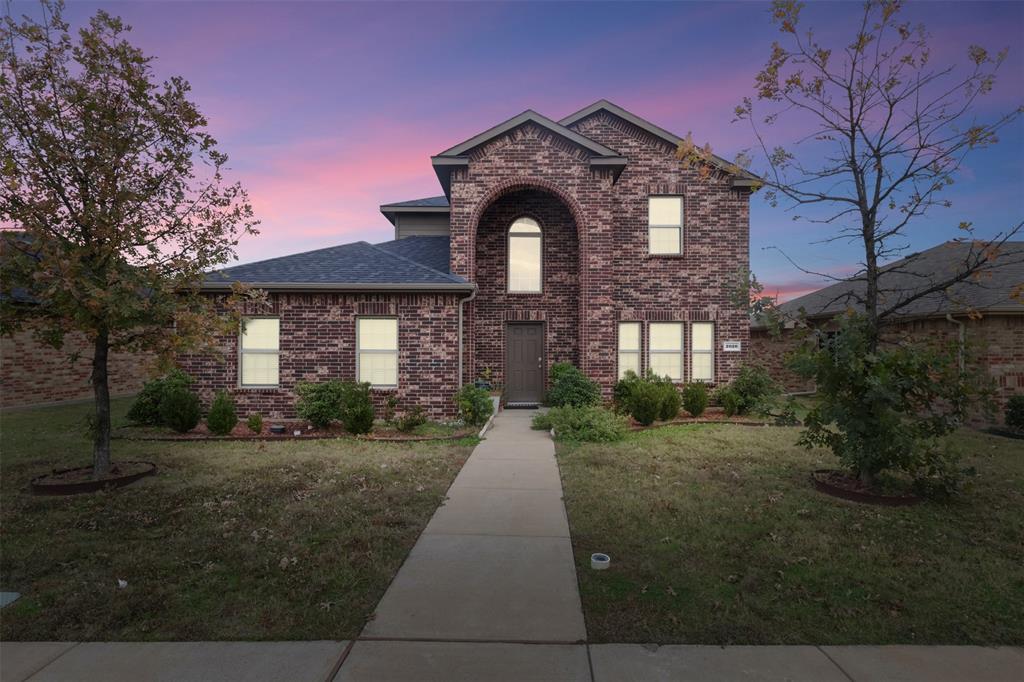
695, 398
411, 420
647, 398
179, 409
587, 424
146, 408
222, 418
753, 390
1014, 415
474, 405
571, 387
357, 413
255, 423
335, 400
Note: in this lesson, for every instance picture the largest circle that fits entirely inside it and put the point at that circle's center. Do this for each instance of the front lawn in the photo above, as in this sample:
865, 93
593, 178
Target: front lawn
230, 540
717, 537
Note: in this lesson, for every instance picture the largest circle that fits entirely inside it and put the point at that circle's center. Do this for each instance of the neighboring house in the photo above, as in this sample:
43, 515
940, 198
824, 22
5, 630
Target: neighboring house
583, 240
984, 314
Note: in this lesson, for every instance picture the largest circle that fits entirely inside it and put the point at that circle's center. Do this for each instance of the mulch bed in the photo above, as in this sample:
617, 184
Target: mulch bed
303, 430
713, 415
1005, 432
841, 484
81, 479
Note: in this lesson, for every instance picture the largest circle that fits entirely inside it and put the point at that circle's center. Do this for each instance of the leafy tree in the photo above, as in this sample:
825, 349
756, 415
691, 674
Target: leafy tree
116, 193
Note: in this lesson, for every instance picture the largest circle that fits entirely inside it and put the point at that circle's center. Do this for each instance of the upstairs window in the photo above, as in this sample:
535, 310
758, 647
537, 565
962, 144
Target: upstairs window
629, 347
377, 351
524, 251
665, 225
260, 351
702, 351
666, 350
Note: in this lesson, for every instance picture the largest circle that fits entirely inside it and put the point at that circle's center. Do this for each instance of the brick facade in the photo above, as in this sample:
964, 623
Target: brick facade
32, 373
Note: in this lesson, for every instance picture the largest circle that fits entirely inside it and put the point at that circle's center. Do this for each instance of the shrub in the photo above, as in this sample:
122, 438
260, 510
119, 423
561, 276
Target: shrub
1015, 412
255, 423
729, 399
541, 422
474, 405
622, 391
695, 398
670, 401
645, 402
179, 409
588, 424
390, 406
222, 417
320, 403
755, 389
570, 386
357, 413
411, 420
146, 408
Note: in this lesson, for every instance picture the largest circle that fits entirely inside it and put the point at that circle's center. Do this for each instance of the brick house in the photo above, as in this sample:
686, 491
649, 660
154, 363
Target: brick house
583, 240
983, 315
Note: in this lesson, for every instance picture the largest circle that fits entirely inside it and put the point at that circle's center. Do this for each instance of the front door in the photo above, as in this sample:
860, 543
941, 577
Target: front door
524, 363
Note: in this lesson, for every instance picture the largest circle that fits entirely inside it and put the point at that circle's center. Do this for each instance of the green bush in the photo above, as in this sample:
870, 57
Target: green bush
357, 413
146, 408
179, 409
222, 417
541, 422
1015, 412
320, 403
570, 386
670, 402
255, 423
474, 405
587, 424
411, 420
645, 402
729, 399
623, 390
695, 398
755, 389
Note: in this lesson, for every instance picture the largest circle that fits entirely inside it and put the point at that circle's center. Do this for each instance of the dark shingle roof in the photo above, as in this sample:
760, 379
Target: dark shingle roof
903, 278
359, 263
427, 202
432, 251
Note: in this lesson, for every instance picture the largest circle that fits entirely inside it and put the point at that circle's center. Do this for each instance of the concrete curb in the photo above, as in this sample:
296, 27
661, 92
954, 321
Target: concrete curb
496, 407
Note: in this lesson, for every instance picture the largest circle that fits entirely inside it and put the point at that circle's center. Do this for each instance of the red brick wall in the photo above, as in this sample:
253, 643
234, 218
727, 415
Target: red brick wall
617, 278
33, 373
317, 343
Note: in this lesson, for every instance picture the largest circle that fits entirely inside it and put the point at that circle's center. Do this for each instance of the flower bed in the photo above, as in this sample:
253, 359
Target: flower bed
296, 430
713, 415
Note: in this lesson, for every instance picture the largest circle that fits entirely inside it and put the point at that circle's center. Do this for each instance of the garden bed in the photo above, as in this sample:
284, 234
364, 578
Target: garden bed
296, 430
713, 415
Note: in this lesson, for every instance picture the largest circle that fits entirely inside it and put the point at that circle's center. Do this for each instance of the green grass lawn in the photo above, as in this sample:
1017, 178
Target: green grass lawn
232, 540
717, 537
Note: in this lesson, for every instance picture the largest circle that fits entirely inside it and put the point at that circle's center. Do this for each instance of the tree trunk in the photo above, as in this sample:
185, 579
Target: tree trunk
101, 391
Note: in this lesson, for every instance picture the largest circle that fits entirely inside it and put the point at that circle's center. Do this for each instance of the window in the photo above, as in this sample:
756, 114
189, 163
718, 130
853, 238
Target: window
260, 351
665, 225
524, 251
629, 347
377, 350
702, 351
666, 350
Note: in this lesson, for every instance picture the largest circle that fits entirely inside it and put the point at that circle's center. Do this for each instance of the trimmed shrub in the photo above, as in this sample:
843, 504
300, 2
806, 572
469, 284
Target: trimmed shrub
474, 405
541, 422
146, 408
320, 403
588, 424
755, 389
671, 401
695, 398
623, 390
357, 413
730, 400
570, 386
222, 418
1015, 412
255, 423
179, 409
645, 402
411, 420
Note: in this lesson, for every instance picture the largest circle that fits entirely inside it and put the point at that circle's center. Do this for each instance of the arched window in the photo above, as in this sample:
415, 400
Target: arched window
524, 252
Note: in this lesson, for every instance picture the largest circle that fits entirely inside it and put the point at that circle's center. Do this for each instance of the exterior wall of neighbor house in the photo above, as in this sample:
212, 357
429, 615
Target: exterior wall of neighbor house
420, 224
995, 345
318, 343
618, 279
32, 373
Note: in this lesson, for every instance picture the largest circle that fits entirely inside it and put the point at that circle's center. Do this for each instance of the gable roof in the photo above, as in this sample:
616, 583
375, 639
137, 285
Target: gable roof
903, 278
458, 155
425, 205
743, 178
356, 266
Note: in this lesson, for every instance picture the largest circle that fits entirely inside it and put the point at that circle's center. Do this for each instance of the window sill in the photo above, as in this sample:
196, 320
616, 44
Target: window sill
524, 293
667, 256
259, 389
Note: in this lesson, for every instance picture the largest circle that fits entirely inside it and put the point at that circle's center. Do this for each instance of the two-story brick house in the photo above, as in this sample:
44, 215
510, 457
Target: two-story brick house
584, 240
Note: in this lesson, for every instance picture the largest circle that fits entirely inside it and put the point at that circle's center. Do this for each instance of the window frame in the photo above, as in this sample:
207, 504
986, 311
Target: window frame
710, 352
682, 222
508, 255
681, 352
639, 351
242, 352
374, 351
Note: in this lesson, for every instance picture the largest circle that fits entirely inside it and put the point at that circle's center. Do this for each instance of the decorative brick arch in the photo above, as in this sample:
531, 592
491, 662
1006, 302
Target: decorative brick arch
516, 183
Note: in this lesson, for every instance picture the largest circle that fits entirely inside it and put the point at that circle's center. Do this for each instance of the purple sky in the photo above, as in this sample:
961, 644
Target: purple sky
297, 92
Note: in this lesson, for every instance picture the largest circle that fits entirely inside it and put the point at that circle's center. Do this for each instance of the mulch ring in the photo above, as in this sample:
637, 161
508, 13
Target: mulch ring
81, 480
292, 431
841, 484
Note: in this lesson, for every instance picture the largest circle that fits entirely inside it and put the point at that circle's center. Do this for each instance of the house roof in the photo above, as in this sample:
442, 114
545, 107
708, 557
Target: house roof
425, 205
355, 266
902, 279
744, 177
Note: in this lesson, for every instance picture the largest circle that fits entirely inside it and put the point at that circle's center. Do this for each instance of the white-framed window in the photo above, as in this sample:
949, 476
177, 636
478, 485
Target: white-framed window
665, 357
665, 225
259, 351
525, 246
702, 351
377, 350
629, 347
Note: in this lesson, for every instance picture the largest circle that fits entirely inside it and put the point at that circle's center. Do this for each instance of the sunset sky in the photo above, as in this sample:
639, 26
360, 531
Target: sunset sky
296, 93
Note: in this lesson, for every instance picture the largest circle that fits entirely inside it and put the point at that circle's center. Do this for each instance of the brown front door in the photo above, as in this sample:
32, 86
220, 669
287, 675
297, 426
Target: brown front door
524, 366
